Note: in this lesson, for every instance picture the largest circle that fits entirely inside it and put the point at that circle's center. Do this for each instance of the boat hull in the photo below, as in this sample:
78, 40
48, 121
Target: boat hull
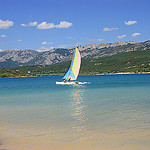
70, 83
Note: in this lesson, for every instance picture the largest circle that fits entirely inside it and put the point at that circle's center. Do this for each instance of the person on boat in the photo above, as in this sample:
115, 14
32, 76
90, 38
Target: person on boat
64, 80
70, 80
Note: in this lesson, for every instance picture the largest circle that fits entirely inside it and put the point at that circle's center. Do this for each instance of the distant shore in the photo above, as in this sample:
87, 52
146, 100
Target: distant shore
119, 73
124, 73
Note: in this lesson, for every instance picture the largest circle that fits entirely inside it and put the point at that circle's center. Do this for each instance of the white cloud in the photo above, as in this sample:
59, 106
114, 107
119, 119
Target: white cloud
95, 40
23, 25
46, 42
121, 36
130, 22
109, 29
1, 50
19, 40
43, 49
45, 25
5, 24
3, 35
31, 24
64, 24
135, 34
98, 40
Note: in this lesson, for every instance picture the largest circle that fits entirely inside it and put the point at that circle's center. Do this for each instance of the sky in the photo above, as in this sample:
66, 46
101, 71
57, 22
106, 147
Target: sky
45, 24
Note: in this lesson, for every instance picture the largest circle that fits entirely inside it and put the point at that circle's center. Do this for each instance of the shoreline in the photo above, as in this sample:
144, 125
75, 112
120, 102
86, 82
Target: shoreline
119, 73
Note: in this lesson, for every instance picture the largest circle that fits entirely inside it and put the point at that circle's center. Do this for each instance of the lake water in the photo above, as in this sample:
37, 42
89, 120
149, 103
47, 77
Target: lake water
112, 112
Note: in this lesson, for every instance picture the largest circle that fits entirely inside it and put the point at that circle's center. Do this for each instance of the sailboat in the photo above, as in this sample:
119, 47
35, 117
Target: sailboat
73, 70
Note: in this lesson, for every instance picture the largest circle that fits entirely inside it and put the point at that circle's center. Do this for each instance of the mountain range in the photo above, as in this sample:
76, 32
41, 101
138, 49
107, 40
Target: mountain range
27, 57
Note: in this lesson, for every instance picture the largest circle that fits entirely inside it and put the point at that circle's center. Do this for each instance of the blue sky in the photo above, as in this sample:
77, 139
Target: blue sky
44, 24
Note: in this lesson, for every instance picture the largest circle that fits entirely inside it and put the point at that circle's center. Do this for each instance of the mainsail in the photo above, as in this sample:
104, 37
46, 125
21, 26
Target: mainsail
73, 70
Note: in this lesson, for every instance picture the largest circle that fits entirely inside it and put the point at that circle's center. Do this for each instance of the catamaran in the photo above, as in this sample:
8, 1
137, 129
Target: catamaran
73, 70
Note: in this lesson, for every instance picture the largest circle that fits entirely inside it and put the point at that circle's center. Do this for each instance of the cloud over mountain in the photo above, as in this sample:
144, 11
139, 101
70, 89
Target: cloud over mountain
135, 34
43, 49
45, 43
95, 40
6, 24
121, 36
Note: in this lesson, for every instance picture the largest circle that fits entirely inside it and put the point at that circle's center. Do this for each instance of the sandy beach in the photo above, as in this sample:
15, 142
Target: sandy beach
25, 139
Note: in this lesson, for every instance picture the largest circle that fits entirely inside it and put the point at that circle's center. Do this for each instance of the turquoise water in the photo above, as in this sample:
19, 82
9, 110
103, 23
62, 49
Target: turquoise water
112, 111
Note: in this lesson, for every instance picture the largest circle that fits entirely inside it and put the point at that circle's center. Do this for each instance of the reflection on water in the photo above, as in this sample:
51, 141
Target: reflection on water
79, 112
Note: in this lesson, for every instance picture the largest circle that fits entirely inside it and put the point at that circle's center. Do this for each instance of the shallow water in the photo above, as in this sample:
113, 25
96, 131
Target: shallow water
110, 113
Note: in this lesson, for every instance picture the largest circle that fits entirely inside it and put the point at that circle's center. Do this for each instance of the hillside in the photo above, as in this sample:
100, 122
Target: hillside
134, 62
26, 57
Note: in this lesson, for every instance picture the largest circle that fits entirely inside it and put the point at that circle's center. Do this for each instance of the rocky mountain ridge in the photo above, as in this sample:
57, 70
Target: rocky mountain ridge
24, 57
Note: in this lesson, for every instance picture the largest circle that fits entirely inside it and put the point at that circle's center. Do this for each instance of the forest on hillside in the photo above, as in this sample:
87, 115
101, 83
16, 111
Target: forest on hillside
133, 62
